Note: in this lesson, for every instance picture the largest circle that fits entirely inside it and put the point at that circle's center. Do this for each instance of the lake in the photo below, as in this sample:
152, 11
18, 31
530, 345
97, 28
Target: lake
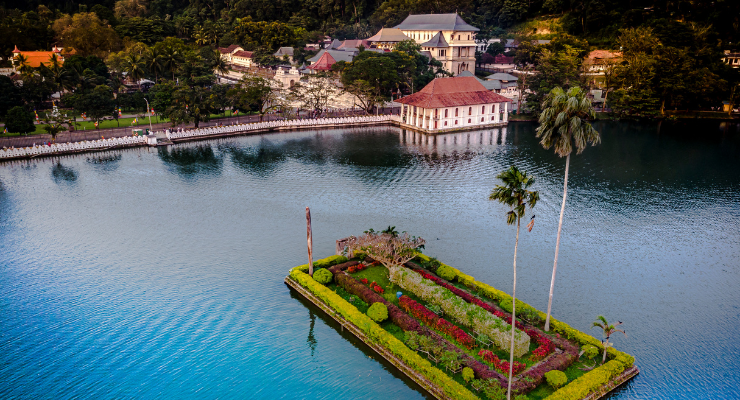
158, 272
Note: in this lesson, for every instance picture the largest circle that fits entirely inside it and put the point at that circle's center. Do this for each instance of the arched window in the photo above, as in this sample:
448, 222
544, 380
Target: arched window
481, 119
470, 110
456, 113
445, 114
468, 120
483, 110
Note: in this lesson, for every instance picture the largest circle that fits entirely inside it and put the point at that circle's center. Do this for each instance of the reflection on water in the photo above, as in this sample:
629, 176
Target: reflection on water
63, 174
191, 159
107, 297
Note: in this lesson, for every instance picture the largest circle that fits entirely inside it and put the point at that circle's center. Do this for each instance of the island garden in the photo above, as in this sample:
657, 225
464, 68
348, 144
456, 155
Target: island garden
451, 333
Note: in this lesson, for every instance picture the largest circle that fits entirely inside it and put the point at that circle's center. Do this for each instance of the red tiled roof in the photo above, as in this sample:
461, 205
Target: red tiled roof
242, 53
602, 54
451, 92
227, 50
324, 63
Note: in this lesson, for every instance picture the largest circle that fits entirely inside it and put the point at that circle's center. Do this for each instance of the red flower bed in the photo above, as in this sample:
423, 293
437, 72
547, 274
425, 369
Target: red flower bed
356, 268
546, 346
433, 320
469, 298
501, 365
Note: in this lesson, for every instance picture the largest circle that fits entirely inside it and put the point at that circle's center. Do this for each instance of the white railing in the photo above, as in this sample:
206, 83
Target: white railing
7, 153
71, 146
216, 130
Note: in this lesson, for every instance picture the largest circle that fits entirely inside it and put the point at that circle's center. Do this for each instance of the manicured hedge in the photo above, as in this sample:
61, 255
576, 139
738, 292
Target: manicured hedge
323, 263
587, 383
381, 336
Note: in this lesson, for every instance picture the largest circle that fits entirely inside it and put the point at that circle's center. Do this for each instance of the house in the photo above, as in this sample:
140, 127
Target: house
354, 44
236, 56
500, 83
447, 37
498, 63
598, 60
731, 58
285, 51
387, 38
455, 103
35, 59
346, 55
324, 63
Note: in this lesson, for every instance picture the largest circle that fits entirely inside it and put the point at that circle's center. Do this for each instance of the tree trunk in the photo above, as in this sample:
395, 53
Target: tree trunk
513, 315
557, 244
309, 241
606, 346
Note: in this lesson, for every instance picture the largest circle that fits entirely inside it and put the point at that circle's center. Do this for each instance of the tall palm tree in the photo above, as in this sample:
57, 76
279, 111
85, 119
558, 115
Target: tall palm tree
515, 194
133, 65
608, 329
153, 62
171, 59
563, 125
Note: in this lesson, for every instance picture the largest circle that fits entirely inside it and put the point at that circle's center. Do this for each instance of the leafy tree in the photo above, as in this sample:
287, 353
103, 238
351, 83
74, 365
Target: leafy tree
36, 90
190, 104
256, 93
130, 8
87, 34
269, 35
11, 95
104, 13
314, 92
495, 48
562, 126
515, 193
96, 104
370, 77
146, 30
554, 69
54, 124
19, 120
608, 330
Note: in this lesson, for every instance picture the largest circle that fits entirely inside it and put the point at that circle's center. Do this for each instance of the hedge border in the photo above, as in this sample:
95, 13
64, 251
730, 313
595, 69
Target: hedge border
376, 335
588, 383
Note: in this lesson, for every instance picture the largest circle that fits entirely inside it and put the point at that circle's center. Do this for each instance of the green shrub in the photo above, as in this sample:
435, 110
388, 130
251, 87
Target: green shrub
411, 339
322, 276
590, 351
556, 378
377, 334
446, 273
468, 374
378, 312
323, 263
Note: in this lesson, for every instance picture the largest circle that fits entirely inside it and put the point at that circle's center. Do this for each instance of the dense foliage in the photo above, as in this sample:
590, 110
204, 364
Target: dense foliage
378, 312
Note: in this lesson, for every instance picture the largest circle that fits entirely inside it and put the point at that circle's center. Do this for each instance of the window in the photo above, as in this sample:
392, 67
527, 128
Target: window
445, 123
481, 119
458, 37
455, 122
468, 37
436, 113
446, 113
456, 113
470, 110
468, 120
483, 111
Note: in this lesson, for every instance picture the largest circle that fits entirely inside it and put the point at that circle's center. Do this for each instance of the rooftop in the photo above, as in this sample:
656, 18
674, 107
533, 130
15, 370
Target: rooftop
388, 35
339, 55
284, 51
228, 50
242, 53
324, 63
438, 40
500, 76
436, 22
452, 92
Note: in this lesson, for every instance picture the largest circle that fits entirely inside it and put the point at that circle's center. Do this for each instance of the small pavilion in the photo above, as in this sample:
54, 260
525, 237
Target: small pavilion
448, 104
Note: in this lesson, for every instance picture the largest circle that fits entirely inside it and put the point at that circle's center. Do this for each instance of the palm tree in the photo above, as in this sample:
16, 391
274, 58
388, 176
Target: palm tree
134, 67
514, 194
602, 323
562, 125
153, 62
219, 64
171, 59
21, 62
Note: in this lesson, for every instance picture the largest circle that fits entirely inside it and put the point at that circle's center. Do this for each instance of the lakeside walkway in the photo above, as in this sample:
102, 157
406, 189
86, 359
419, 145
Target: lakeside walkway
180, 135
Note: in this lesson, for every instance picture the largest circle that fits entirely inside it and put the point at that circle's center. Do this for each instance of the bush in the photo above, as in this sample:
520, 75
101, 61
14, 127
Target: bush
374, 332
446, 273
556, 378
322, 276
467, 374
378, 312
590, 351
19, 120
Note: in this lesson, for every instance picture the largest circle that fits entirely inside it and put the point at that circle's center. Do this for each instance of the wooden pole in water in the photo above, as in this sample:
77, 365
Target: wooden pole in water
308, 240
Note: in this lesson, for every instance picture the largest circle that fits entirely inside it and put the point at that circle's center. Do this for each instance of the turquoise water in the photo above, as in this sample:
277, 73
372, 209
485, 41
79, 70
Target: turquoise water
157, 273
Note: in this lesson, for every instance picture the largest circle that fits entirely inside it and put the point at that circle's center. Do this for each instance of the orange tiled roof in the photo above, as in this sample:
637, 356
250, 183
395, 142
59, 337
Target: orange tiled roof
324, 63
451, 92
602, 54
242, 53
36, 58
